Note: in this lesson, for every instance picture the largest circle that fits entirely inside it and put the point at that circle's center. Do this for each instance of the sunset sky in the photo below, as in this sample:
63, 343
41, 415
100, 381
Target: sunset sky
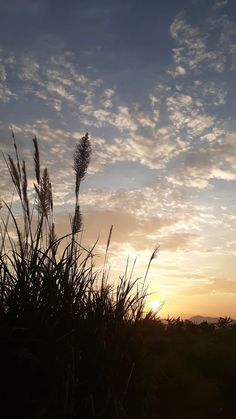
154, 85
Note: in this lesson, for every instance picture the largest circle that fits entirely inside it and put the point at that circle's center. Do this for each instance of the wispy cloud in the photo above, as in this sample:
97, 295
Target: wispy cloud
7, 62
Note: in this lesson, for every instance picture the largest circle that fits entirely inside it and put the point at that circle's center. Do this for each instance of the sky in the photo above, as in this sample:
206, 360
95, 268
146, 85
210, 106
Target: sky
153, 83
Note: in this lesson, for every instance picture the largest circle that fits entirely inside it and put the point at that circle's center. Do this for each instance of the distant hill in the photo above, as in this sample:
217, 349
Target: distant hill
200, 319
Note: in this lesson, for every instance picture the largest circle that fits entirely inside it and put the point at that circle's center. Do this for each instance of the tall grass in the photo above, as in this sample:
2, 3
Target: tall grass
51, 291
37, 279
74, 346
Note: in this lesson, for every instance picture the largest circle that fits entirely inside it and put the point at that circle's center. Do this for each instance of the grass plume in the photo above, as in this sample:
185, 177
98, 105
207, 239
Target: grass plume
82, 156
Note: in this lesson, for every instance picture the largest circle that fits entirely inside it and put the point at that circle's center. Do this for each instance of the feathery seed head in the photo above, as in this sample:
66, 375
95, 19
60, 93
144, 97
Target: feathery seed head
15, 175
81, 160
36, 160
44, 193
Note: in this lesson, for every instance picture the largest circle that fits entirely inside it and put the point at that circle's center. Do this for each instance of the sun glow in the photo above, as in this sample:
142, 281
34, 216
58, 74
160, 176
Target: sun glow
156, 305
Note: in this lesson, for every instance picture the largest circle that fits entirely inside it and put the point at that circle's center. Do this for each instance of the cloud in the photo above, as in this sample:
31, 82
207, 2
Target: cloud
7, 62
178, 71
30, 69
137, 136
56, 81
211, 92
60, 91
207, 163
220, 3
187, 113
195, 51
213, 285
153, 150
129, 230
192, 51
5, 93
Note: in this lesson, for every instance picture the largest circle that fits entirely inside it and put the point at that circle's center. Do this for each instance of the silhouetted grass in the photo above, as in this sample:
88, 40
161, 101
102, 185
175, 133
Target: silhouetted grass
73, 345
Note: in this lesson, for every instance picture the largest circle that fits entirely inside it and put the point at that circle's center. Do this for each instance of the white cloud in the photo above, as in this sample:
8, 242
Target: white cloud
5, 93
60, 91
180, 70
194, 49
30, 69
7, 62
123, 119
186, 113
216, 161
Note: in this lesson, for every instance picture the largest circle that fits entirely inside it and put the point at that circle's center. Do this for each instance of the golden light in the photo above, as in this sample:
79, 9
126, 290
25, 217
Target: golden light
156, 305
